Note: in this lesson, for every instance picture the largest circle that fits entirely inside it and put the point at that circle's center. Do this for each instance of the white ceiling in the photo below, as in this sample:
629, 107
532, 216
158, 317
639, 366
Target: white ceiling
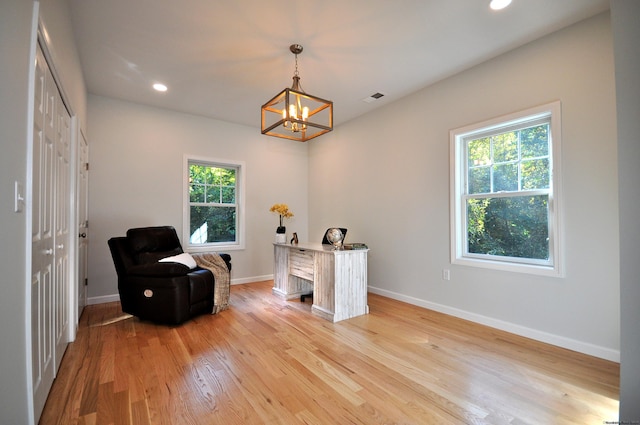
225, 58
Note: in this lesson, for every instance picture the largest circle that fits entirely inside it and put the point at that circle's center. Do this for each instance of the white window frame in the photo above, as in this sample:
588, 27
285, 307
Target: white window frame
240, 205
458, 168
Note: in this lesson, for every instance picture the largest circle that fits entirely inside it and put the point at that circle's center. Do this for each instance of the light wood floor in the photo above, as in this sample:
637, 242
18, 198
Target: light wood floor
268, 361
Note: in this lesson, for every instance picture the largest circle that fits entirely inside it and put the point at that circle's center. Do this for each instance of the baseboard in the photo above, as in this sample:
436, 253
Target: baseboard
559, 341
103, 299
111, 298
252, 279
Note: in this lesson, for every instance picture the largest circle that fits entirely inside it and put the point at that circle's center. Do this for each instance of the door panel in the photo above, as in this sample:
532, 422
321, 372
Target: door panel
42, 236
61, 208
83, 221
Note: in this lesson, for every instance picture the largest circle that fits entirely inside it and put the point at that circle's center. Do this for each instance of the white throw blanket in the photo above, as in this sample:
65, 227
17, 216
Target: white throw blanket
217, 266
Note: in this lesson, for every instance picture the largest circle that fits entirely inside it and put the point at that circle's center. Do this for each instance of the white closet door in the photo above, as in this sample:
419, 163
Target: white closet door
51, 204
62, 205
42, 275
83, 221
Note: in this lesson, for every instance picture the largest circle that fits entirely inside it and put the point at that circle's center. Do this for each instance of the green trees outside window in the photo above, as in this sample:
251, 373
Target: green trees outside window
507, 201
212, 203
509, 227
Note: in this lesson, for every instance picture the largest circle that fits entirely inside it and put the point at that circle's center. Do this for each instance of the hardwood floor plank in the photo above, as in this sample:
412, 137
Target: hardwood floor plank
270, 361
89, 398
122, 408
90, 419
105, 404
140, 413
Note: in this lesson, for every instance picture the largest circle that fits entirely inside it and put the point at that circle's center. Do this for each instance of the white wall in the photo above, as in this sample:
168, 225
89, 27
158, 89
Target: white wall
136, 158
625, 15
17, 41
56, 19
390, 187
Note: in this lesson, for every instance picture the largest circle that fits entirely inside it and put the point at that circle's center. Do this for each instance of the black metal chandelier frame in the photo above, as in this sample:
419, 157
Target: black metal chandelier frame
295, 115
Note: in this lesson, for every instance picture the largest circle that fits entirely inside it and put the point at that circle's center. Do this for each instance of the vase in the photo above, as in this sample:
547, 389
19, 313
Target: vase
281, 234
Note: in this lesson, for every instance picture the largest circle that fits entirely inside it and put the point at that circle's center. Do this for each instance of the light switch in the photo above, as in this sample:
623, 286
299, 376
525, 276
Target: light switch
18, 204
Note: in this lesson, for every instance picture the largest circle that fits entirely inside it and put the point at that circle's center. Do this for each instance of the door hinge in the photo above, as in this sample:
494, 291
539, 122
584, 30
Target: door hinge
86, 166
86, 281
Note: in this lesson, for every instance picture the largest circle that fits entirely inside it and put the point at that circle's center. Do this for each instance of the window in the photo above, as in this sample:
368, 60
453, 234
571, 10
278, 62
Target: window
213, 209
505, 192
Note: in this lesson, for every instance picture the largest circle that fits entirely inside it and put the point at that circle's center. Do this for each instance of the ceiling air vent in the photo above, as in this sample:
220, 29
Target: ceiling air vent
373, 97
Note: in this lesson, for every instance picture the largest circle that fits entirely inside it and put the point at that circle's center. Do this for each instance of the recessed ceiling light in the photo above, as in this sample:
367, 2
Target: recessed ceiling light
499, 4
160, 87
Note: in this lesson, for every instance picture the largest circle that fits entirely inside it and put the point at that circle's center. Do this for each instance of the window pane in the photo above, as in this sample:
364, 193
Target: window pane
196, 193
211, 184
212, 224
535, 174
510, 227
505, 147
197, 173
210, 175
505, 178
228, 195
213, 194
480, 180
227, 177
479, 152
215, 176
535, 141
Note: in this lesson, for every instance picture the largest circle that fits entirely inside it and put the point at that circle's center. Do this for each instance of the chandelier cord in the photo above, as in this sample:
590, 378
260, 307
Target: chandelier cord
296, 76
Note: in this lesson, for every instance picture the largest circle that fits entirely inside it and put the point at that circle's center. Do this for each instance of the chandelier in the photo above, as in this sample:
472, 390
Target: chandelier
295, 115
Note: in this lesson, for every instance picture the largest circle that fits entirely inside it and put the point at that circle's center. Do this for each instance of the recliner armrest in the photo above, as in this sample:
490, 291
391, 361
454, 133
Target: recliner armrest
165, 269
227, 259
199, 271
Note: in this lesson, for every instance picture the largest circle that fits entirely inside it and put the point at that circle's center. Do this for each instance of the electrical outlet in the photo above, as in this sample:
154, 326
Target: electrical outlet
446, 274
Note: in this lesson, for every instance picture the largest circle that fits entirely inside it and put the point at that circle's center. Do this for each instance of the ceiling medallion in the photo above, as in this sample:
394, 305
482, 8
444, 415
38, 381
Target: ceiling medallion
295, 115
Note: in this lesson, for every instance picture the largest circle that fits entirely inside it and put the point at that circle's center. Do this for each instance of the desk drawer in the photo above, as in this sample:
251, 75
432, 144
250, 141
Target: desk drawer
301, 263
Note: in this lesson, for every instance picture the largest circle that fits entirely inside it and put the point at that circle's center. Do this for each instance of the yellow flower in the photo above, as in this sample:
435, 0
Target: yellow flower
282, 210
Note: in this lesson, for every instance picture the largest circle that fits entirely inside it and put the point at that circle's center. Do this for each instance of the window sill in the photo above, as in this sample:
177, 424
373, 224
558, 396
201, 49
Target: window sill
214, 248
540, 270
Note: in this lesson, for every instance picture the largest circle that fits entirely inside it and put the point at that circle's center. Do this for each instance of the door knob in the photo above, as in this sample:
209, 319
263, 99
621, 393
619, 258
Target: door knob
82, 235
47, 251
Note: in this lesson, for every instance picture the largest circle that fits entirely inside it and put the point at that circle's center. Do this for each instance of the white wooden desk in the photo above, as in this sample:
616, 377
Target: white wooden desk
338, 279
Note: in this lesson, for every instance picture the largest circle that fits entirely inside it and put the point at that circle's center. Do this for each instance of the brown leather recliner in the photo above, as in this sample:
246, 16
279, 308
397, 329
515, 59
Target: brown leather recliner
163, 292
